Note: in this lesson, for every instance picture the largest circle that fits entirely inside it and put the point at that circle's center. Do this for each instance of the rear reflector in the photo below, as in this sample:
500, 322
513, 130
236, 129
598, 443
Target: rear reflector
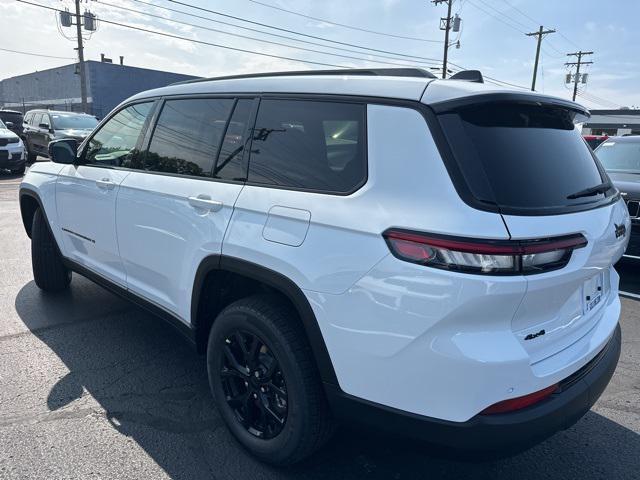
519, 403
496, 257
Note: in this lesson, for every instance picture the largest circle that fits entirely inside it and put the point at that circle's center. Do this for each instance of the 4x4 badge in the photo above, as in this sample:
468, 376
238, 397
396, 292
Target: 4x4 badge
620, 230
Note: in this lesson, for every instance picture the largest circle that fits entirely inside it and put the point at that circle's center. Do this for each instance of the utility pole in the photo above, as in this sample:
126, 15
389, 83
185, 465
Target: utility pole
576, 77
445, 24
538, 34
83, 78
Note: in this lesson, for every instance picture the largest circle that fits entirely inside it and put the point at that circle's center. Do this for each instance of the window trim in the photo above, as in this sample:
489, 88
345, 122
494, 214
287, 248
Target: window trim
425, 110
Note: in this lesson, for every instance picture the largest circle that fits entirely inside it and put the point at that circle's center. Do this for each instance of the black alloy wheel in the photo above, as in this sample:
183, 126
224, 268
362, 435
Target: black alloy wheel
253, 384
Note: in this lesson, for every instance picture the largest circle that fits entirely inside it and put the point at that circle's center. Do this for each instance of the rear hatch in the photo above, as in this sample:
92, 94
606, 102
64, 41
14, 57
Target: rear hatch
523, 157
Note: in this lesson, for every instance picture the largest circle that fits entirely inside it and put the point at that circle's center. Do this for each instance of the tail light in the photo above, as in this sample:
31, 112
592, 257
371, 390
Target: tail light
491, 257
520, 402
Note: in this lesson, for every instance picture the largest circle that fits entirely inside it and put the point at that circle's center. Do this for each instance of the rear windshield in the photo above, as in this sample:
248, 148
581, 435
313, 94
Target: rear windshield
620, 156
524, 158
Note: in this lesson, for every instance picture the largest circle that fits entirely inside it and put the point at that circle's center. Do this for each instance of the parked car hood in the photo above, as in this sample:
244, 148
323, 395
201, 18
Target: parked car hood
627, 183
6, 133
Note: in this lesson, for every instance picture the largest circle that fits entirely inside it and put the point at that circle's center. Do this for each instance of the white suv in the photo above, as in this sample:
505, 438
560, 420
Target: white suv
429, 256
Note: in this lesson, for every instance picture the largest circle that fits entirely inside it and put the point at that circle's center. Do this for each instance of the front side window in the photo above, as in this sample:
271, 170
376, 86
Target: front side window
309, 145
44, 121
115, 143
187, 136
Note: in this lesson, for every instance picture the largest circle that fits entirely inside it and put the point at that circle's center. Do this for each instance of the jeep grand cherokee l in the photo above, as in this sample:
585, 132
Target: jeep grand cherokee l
431, 256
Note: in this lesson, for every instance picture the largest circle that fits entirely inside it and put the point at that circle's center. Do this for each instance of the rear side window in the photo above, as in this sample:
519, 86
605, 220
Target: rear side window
526, 158
187, 136
309, 145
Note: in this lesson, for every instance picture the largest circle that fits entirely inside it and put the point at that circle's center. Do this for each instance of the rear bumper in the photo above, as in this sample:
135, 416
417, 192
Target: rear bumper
503, 432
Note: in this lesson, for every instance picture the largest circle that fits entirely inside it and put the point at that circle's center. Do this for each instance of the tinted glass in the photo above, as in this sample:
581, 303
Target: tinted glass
62, 121
521, 156
45, 120
28, 117
620, 156
309, 145
115, 142
230, 165
187, 135
37, 119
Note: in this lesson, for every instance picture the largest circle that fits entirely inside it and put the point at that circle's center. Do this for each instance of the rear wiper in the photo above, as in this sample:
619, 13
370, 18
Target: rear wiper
587, 192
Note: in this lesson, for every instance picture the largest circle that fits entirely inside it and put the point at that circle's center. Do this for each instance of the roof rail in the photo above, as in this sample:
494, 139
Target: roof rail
468, 75
379, 72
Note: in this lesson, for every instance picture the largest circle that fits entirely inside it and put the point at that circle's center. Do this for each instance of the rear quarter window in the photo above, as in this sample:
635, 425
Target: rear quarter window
524, 158
309, 145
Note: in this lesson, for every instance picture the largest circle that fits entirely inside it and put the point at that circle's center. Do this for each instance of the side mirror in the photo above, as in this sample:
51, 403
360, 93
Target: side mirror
64, 151
8, 124
44, 125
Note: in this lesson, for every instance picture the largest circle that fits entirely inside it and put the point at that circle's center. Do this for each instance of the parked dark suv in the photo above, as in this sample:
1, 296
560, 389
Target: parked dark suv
620, 156
12, 120
42, 126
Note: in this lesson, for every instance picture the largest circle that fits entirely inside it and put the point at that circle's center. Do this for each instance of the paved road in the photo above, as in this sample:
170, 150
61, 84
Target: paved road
92, 387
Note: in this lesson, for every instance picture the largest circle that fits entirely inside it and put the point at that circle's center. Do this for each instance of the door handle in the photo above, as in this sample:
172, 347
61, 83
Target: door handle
205, 202
105, 184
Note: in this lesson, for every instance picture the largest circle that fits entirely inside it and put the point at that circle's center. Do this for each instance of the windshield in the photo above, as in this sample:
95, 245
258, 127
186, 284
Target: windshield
524, 158
62, 122
620, 156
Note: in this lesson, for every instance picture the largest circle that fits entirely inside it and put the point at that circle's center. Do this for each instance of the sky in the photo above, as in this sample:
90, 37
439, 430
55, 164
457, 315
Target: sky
492, 38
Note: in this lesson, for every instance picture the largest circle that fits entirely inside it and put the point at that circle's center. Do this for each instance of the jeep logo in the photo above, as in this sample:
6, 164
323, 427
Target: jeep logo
620, 230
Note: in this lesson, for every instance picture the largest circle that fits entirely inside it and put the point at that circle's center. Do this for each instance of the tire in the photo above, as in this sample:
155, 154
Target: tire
49, 272
31, 157
307, 422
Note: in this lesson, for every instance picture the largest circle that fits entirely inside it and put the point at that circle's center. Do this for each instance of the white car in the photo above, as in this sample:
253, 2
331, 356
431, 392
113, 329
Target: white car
12, 156
428, 256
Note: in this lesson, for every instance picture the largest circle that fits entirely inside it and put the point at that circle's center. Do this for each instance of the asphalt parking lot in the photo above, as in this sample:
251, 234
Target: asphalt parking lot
93, 387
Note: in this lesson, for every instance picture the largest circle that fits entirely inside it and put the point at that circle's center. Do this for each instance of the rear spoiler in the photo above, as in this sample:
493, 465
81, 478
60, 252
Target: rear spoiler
507, 97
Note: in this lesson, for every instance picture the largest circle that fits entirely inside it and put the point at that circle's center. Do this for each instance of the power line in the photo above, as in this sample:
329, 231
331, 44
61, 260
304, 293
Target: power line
352, 27
201, 42
36, 54
294, 32
500, 12
277, 35
252, 38
496, 17
537, 23
600, 101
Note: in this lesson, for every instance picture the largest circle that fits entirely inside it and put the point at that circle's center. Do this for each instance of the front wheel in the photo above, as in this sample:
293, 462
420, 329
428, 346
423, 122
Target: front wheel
49, 272
265, 381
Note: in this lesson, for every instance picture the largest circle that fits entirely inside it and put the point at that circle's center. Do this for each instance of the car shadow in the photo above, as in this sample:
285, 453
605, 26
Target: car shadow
153, 389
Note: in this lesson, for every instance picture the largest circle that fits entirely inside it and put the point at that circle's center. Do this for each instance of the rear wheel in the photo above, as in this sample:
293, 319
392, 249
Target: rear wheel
265, 382
49, 272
